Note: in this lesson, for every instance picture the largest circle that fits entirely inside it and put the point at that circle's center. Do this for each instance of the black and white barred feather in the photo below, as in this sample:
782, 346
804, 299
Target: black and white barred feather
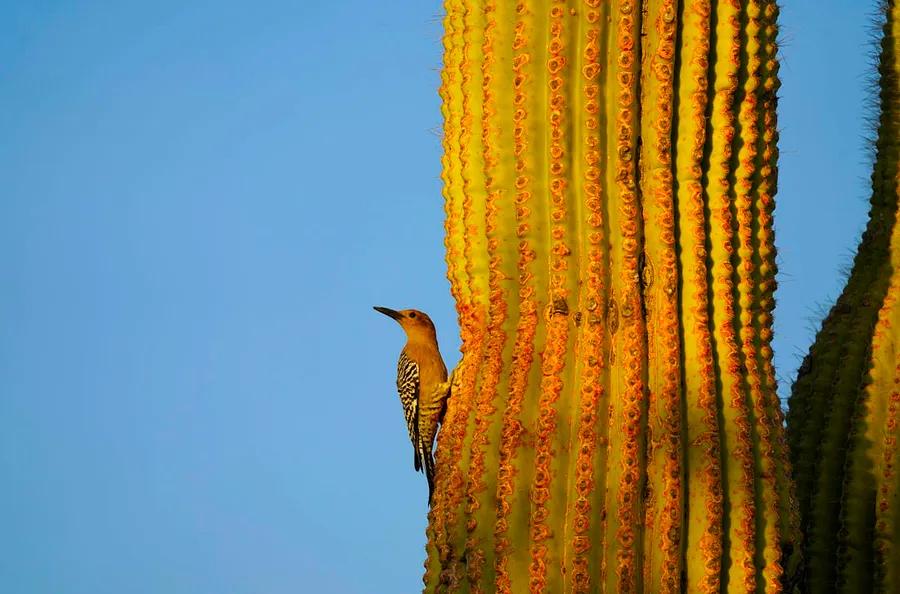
408, 388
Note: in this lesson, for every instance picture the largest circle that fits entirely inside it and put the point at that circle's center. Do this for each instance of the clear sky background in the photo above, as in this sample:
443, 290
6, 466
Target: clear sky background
199, 204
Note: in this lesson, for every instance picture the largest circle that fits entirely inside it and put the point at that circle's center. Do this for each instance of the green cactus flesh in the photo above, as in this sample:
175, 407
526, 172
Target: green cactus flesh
609, 170
842, 420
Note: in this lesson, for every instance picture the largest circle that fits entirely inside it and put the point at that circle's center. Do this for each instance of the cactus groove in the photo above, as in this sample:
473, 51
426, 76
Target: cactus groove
609, 170
842, 424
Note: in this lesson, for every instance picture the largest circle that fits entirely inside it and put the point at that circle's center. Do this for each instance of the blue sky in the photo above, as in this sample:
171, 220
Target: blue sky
201, 202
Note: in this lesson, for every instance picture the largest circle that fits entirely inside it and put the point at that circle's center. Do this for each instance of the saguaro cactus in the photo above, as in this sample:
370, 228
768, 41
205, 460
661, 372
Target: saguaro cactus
609, 171
843, 419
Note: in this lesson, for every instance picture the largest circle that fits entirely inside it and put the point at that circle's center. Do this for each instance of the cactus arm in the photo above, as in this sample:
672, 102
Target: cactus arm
811, 402
887, 524
858, 569
887, 355
840, 359
847, 484
855, 459
885, 387
825, 511
868, 467
830, 396
857, 479
814, 409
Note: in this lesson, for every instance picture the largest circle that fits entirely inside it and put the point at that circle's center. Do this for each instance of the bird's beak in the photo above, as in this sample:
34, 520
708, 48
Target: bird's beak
389, 313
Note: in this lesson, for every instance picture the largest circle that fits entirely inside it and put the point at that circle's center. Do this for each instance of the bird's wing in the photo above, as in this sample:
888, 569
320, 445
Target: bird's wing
408, 388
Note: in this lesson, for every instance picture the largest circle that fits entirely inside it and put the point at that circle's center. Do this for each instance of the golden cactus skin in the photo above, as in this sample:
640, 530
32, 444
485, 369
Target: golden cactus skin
609, 170
842, 421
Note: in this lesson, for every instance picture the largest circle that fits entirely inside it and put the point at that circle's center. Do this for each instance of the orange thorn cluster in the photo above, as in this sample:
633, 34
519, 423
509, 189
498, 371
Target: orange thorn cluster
752, 160
885, 517
666, 336
634, 347
591, 348
723, 287
513, 430
449, 441
575, 207
497, 310
554, 356
711, 542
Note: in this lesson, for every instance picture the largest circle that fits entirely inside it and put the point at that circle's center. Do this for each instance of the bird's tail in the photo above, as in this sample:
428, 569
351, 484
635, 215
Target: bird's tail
428, 463
417, 447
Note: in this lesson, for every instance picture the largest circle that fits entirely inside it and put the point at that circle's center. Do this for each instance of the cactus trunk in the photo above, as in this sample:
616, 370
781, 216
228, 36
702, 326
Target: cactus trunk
843, 421
609, 170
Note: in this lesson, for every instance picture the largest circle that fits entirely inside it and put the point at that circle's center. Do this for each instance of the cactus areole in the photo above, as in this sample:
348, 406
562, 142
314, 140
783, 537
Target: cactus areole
609, 170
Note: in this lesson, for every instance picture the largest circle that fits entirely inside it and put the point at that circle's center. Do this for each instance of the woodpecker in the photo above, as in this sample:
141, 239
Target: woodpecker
422, 384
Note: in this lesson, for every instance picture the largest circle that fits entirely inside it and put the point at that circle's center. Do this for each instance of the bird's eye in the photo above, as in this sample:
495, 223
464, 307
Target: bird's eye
412, 314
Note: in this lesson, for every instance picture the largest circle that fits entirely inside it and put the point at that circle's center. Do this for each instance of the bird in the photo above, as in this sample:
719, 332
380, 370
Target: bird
422, 384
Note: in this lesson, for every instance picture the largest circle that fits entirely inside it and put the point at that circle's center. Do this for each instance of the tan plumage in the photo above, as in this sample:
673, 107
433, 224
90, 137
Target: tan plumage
422, 385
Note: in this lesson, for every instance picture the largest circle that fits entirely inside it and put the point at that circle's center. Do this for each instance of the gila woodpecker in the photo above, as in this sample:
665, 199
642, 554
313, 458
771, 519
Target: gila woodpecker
422, 384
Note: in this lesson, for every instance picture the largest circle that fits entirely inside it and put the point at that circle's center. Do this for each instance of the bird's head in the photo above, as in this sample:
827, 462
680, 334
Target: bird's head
415, 323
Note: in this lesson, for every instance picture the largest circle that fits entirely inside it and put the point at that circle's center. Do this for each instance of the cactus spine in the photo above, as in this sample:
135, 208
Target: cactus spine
609, 170
843, 421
